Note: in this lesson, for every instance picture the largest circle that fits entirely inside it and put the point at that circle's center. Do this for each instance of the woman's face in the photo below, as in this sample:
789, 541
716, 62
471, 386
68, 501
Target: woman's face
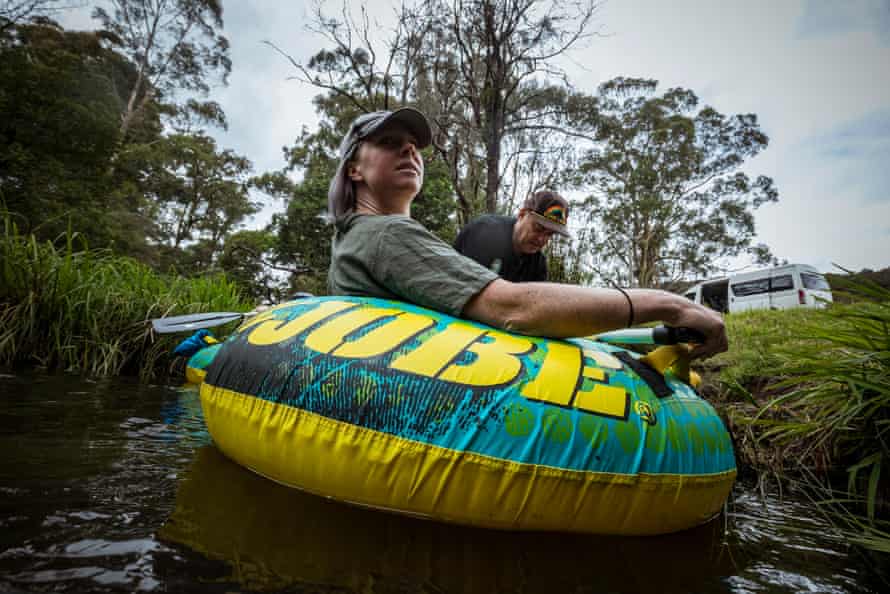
389, 164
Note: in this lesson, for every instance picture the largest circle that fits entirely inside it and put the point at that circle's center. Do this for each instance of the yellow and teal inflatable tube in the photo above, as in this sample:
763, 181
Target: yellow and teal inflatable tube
394, 406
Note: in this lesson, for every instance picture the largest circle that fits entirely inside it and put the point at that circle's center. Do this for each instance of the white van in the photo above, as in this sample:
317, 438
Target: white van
784, 287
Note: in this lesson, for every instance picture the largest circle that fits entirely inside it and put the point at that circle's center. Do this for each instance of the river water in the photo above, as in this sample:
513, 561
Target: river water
112, 486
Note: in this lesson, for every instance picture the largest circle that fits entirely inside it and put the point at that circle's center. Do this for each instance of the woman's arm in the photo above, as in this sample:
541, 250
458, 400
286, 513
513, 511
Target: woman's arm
555, 310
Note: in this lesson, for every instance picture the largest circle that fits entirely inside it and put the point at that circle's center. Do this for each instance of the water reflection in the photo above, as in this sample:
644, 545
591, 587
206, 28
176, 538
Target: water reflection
274, 536
88, 473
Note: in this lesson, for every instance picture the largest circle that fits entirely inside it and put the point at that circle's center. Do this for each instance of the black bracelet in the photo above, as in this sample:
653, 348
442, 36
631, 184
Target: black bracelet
630, 307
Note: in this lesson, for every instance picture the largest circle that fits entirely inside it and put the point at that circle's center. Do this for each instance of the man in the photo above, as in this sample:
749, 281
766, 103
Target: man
511, 246
380, 251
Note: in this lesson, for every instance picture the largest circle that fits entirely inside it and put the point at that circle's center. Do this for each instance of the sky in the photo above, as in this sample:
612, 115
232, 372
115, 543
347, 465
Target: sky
815, 72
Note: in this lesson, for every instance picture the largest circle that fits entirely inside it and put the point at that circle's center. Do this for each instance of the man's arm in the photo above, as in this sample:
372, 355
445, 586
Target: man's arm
558, 311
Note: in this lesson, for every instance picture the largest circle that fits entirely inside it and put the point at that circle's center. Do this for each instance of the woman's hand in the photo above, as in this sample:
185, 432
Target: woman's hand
708, 322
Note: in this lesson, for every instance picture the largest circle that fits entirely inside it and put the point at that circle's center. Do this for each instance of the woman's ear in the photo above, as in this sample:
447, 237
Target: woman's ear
353, 172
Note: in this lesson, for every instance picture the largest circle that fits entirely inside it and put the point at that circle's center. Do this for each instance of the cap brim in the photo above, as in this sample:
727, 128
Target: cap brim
414, 120
552, 225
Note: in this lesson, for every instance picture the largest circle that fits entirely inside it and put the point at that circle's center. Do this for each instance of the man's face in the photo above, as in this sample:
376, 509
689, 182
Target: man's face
529, 236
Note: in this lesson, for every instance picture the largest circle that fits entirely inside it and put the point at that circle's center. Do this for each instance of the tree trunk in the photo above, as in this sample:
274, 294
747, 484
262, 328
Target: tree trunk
493, 107
492, 170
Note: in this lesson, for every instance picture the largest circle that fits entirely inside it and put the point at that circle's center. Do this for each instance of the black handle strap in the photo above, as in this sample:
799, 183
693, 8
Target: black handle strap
648, 374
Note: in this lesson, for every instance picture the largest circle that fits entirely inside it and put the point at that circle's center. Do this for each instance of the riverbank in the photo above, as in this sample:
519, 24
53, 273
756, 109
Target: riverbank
806, 394
65, 307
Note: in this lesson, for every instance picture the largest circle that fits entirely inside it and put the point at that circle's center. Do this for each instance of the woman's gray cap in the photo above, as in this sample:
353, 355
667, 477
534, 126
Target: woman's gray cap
341, 198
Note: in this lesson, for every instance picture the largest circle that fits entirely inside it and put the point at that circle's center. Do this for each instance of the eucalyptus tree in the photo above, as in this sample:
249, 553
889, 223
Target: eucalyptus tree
201, 193
16, 12
59, 129
669, 195
491, 72
483, 70
247, 259
176, 46
64, 165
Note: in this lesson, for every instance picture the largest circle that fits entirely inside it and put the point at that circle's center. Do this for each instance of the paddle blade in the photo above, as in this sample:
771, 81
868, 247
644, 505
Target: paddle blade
191, 322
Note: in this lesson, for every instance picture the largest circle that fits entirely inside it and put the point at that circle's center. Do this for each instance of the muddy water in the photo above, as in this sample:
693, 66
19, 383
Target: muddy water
116, 487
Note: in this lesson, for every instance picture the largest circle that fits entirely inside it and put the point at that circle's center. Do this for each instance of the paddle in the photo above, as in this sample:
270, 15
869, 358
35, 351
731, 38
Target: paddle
656, 335
190, 322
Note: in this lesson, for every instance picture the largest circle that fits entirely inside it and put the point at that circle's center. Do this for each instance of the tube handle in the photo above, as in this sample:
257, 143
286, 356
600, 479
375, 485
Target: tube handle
674, 335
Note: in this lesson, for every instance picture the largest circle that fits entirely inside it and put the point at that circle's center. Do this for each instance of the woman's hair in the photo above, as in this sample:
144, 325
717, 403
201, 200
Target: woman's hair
341, 194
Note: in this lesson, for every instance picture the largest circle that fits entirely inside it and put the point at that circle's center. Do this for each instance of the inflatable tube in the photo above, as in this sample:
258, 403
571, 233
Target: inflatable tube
394, 406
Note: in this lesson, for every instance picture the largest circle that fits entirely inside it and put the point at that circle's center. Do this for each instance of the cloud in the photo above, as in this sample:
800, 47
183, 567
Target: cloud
829, 17
858, 153
266, 110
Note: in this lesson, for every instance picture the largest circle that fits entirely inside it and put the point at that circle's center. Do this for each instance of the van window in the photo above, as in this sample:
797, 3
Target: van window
781, 283
716, 295
690, 296
754, 287
814, 282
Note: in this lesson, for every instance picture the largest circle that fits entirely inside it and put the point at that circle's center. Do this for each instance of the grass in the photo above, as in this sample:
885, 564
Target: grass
66, 307
807, 395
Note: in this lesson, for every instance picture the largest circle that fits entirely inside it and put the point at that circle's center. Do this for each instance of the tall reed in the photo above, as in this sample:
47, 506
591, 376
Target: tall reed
826, 379
66, 307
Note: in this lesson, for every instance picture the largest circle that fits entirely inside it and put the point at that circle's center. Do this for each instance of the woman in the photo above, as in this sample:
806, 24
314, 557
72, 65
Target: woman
380, 251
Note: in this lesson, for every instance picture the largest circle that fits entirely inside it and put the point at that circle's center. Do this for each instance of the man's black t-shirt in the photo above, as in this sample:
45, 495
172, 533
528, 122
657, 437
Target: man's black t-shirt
489, 240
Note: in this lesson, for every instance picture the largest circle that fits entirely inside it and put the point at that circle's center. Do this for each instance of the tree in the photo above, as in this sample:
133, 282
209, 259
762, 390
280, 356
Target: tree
488, 74
165, 199
201, 193
567, 259
17, 12
58, 130
483, 70
434, 207
174, 44
246, 259
669, 197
